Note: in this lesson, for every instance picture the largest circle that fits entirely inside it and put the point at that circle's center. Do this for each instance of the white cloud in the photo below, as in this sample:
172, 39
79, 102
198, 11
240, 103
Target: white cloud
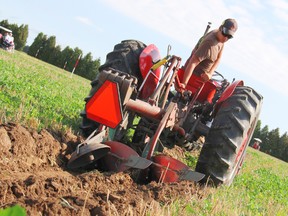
280, 9
255, 4
84, 20
281, 4
88, 22
282, 14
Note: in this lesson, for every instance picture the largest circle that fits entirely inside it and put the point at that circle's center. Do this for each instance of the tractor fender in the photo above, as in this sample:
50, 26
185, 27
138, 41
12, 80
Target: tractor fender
149, 56
229, 91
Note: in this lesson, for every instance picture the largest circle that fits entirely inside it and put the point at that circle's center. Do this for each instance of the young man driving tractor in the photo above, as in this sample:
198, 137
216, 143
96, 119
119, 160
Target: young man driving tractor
206, 55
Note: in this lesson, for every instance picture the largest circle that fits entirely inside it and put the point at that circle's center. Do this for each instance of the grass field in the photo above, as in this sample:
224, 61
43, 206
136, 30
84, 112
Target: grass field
39, 95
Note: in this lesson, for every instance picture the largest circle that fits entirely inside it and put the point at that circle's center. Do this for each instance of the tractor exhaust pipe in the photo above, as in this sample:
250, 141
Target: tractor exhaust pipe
145, 109
207, 28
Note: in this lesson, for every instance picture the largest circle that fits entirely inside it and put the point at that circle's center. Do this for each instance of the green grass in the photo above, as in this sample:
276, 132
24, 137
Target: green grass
39, 95
259, 189
13, 211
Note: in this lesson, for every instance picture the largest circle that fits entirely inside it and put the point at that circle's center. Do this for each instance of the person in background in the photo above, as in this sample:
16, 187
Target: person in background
8, 40
256, 144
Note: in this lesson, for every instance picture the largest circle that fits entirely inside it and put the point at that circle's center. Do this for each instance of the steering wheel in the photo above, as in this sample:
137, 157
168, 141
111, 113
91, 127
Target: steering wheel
217, 77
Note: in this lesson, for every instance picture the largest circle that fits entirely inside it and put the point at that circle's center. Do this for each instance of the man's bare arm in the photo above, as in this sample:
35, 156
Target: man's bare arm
193, 62
216, 63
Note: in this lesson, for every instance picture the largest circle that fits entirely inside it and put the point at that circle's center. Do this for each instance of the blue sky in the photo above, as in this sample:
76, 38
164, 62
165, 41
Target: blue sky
257, 54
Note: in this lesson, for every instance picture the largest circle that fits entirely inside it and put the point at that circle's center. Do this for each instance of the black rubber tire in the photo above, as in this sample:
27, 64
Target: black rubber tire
223, 152
124, 58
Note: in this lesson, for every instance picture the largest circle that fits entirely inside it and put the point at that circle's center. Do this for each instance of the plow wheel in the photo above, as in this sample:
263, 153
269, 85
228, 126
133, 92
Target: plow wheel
223, 152
86, 154
124, 58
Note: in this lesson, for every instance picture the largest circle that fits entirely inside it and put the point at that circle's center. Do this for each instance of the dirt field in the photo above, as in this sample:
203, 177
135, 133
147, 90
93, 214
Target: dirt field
34, 175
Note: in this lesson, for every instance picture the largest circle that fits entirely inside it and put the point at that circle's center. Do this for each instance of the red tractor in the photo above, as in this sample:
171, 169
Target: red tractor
133, 111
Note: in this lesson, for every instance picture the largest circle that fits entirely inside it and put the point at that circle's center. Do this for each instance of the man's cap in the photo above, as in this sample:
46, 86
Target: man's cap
229, 26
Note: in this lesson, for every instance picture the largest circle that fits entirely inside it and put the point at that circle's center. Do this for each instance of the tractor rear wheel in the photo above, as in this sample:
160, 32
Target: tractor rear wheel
223, 152
124, 58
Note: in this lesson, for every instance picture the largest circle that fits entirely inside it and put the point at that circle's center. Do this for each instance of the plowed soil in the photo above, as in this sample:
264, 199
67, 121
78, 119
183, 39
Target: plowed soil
34, 175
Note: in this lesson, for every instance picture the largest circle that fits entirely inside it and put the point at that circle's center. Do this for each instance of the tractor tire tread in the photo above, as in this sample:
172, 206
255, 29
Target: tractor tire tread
235, 117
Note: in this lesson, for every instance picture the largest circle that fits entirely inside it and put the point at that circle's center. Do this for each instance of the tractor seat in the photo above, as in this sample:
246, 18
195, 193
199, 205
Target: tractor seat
196, 83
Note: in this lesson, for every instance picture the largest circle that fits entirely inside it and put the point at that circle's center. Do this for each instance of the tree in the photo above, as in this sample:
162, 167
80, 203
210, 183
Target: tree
55, 58
273, 136
66, 57
47, 50
256, 132
74, 57
20, 36
265, 145
38, 44
283, 147
5, 23
272, 143
88, 68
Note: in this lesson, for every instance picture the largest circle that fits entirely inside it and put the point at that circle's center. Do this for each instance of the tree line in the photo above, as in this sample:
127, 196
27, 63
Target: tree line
45, 49
273, 143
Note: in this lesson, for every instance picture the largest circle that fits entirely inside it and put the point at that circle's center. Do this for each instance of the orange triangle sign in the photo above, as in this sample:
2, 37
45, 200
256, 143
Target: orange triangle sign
105, 105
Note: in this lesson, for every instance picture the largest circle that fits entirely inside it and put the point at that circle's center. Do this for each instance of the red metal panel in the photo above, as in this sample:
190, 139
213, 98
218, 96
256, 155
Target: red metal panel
148, 57
120, 154
169, 168
229, 90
